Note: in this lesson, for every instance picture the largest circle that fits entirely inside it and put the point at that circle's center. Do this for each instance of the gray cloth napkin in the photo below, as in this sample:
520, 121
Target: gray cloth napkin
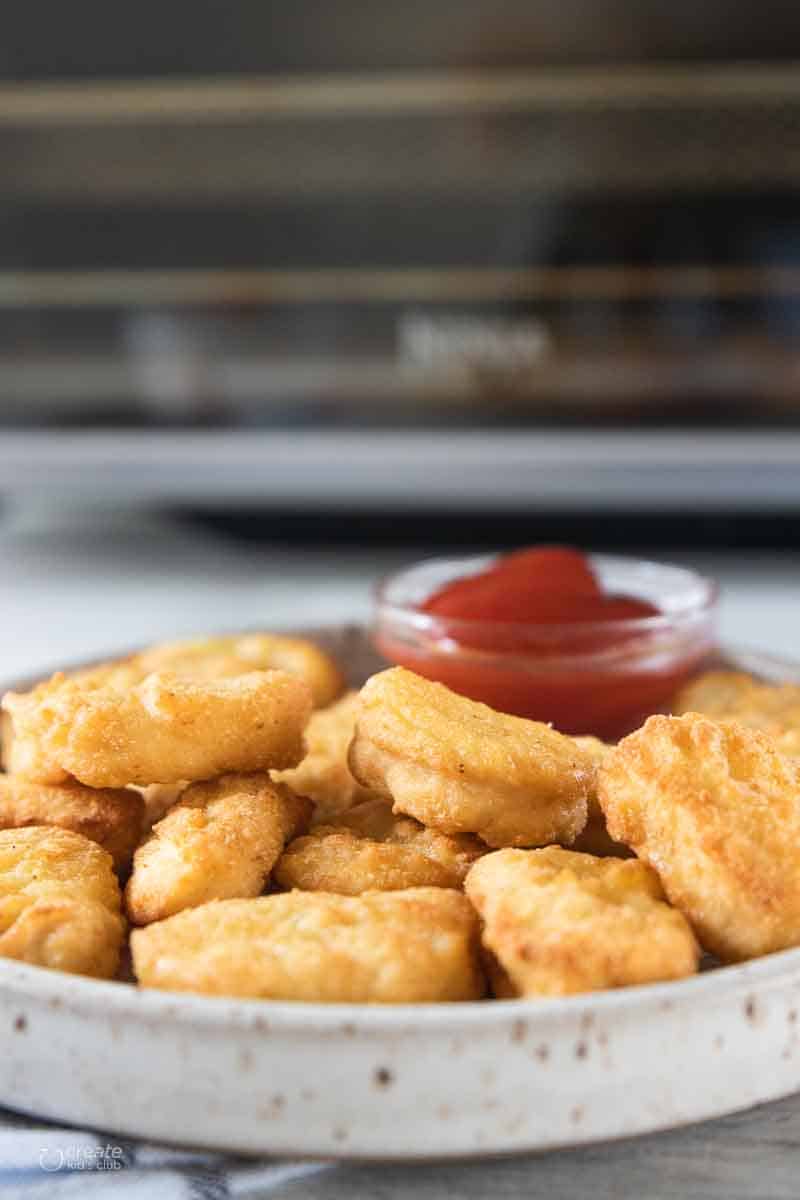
38, 1159
752, 1155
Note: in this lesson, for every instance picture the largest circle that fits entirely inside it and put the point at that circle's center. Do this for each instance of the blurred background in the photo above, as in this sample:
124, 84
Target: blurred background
290, 294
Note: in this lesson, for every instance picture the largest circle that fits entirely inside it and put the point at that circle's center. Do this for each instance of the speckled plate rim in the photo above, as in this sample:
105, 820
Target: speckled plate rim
128, 999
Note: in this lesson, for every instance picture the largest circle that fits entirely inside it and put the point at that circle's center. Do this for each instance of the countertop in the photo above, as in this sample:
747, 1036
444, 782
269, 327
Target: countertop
79, 585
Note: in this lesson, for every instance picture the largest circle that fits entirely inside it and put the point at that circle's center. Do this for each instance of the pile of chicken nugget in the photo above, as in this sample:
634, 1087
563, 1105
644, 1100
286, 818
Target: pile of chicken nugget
218, 811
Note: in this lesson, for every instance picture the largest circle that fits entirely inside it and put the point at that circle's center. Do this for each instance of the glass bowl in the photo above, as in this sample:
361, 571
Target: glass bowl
599, 678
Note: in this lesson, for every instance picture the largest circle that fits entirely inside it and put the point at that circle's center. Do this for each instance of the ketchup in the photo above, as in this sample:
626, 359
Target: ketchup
543, 586
535, 634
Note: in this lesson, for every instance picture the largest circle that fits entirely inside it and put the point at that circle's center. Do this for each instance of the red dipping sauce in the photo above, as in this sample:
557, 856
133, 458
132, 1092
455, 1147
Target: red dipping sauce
591, 644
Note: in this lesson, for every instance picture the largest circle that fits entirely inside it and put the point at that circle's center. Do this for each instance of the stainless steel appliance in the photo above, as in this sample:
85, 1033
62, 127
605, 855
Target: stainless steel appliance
507, 253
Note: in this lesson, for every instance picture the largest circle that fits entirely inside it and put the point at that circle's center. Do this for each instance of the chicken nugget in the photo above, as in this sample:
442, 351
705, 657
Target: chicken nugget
59, 902
560, 922
6, 740
371, 849
714, 807
110, 817
595, 838
218, 842
222, 657
158, 799
22, 750
324, 774
730, 695
461, 767
162, 730
414, 946
715, 693
118, 673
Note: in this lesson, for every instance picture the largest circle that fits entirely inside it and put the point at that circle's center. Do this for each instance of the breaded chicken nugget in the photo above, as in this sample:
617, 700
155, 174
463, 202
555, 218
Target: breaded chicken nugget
461, 767
59, 902
223, 657
199, 659
715, 693
162, 730
730, 695
158, 799
324, 774
23, 751
219, 841
715, 809
419, 945
595, 838
118, 673
6, 740
371, 849
560, 922
110, 817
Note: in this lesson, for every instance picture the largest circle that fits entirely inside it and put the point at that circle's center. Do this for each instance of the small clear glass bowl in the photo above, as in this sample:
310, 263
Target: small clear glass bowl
600, 677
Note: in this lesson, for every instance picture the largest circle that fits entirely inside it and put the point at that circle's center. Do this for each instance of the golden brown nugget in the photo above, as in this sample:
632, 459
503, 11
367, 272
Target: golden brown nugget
371, 849
461, 767
560, 922
158, 799
223, 657
162, 730
731, 695
119, 673
414, 946
715, 693
219, 841
714, 807
324, 774
595, 838
201, 659
59, 902
6, 740
110, 817
23, 751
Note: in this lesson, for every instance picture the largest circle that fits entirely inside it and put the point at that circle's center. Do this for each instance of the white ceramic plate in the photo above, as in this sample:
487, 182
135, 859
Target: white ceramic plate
410, 1082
